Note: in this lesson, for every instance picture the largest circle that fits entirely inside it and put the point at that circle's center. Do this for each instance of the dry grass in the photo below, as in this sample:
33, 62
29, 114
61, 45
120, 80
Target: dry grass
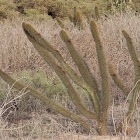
18, 54
49, 127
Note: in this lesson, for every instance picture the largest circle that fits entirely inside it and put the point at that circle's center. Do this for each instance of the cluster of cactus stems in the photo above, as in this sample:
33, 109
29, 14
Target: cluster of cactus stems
76, 19
99, 97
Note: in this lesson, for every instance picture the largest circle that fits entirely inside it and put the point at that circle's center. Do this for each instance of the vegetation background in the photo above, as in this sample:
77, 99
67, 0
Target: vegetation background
43, 9
23, 116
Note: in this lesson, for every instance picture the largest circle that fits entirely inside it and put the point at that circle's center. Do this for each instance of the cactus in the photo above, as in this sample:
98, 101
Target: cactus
105, 94
97, 13
43, 98
75, 16
79, 20
59, 71
117, 81
61, 24
76, 19
99, 98
87, 81
71, 17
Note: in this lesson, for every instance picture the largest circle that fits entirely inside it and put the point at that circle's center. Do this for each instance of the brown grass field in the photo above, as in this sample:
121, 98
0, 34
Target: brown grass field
17, 54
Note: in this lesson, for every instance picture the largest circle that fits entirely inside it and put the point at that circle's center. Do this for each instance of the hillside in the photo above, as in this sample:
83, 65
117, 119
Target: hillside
45, 9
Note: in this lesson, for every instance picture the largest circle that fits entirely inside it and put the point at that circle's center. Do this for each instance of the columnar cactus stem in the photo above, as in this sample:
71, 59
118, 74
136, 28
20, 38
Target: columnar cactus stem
133, 55
116, 80
104, 74
46, 45
102, 66
43, 98
71, 17
64, 72
83, 68
136, 64
79, 20
62, 75
60, 22
136, 90
99, 97
100, 103
75, 16
97, 13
